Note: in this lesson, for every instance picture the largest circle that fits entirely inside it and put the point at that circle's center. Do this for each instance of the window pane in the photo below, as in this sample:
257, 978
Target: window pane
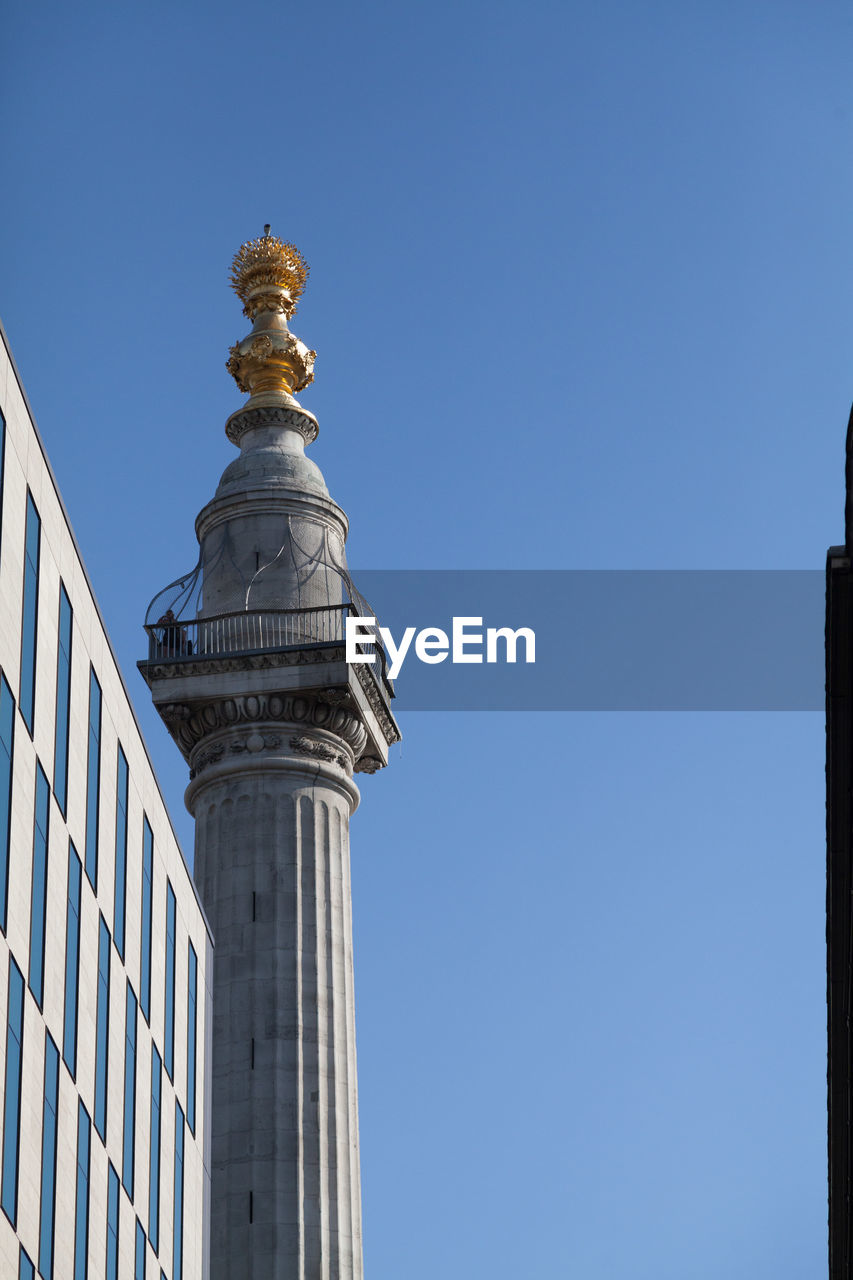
29, 627
63, 701
38, 902
139, 1268
7, 738
178, 1236
48, 1158
72, 961
121, 852
112, 1224
26, 1271
154, 1153
192, 997
93, 780
12, 1108
81, 1224
147, 879
169, 1046
102, 1031
129, 1091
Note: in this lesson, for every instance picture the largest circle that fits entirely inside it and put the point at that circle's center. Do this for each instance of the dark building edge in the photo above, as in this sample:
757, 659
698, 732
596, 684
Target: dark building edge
839, 881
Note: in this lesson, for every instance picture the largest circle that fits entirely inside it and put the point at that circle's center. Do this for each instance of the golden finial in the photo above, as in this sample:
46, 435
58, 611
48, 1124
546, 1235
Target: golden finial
268, 274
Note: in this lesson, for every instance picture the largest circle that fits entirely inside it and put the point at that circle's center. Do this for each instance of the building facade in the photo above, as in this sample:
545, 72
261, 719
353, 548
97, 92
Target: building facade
839, 885
105, 953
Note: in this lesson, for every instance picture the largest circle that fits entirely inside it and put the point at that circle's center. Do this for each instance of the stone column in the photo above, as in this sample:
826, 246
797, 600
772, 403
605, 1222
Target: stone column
272, 804
247, 667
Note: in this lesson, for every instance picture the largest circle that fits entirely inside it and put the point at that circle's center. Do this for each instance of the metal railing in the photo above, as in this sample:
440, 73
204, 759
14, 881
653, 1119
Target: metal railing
260, 631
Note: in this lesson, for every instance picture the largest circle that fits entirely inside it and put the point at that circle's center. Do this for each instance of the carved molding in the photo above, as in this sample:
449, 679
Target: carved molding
200, 721
368, 764
243, 662
377, 703
271, 299
271, 416
320, 750
336, 697
252, 743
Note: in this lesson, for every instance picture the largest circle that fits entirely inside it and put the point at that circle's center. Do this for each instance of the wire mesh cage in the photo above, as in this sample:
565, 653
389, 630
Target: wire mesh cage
290, 587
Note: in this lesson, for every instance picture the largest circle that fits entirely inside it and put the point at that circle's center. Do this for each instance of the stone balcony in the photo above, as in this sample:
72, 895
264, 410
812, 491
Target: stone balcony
266, 654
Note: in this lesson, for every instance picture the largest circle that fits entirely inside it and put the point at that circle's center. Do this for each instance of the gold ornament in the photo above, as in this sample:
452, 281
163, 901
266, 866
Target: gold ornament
268, 274
270, 364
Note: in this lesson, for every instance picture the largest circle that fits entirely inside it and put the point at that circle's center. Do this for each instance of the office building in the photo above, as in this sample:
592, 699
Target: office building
105, 954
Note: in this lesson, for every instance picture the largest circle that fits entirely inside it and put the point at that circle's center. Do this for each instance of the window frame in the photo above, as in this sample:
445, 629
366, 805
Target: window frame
169, 1007
38, 885
102, 1032
83, 1182
29, 601
63, 701
12, 1146
48, 1161
120, 886
93, 783
71, 1061
7, 751
128, 1158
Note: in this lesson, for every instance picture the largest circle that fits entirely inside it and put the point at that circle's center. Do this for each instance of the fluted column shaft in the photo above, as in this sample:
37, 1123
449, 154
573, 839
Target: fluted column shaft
272, 867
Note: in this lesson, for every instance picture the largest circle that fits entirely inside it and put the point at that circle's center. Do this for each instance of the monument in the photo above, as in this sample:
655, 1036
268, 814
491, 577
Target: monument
246, 667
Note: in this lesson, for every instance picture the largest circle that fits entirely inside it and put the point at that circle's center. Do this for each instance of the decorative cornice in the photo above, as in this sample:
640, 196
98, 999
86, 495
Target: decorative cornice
260, 744
275, 416
190, 725
368, 764
320, 750
177, 715
368, 682
243, 662
271, 500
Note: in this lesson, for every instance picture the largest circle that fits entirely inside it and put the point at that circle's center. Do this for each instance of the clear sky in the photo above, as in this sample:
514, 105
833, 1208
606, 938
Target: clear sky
581, 291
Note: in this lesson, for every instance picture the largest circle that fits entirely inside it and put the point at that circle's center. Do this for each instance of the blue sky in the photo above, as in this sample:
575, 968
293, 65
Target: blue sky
580, 289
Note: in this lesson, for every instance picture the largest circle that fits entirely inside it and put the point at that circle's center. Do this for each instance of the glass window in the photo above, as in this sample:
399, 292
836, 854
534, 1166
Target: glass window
29, 627
102, 1031
139, 1267
169, 1046
12, 1109
7, 740
147, 880
81, 1217
178, 1235
63, 702
38, 901
129, 1091
48, 1158
26, 1271
112, 1224
121, 852
93, 780
154, 1153
72, 961
192, 1000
